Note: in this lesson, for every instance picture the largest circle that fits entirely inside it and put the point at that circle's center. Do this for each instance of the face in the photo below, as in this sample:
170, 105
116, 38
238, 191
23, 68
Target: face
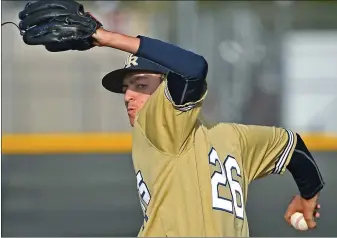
137, 88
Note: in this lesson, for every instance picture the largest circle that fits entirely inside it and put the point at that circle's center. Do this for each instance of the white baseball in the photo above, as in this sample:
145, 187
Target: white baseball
298, 221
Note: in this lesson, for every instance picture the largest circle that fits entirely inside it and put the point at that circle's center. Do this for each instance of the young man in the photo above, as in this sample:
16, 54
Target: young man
192, 178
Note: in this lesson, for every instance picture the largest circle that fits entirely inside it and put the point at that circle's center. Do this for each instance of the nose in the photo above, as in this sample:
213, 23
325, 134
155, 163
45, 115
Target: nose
129, 95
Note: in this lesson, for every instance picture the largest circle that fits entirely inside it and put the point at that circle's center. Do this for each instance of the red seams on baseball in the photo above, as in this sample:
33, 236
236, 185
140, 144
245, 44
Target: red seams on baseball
297, 223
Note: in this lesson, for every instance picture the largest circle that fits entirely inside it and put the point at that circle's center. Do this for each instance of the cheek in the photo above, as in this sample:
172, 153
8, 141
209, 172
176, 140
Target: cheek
142, 101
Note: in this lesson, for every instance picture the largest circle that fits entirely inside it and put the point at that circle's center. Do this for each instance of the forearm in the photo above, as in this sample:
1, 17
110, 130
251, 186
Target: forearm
117, 41
305, 171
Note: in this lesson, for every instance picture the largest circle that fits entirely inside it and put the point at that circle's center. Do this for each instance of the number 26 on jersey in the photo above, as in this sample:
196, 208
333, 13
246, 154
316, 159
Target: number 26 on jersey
225, 179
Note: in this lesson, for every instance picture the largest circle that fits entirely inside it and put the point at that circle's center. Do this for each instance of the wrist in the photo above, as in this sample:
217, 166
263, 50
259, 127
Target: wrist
314, 194
117, 41
102, 37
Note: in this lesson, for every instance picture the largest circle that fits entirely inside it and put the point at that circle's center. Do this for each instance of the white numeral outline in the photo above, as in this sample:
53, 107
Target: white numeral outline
224, 178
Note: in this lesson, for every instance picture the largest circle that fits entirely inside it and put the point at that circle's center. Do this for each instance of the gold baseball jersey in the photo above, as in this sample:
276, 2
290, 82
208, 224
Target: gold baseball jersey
193, 178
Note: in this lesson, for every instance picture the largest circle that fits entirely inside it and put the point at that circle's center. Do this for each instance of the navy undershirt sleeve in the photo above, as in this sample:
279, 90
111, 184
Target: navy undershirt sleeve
188, 71
305, 171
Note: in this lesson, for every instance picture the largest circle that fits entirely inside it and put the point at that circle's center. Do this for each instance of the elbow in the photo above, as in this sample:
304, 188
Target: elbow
201, 68
204, 71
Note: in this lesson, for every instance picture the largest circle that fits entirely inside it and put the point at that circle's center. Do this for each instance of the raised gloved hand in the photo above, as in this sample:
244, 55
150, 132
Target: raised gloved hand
59, 25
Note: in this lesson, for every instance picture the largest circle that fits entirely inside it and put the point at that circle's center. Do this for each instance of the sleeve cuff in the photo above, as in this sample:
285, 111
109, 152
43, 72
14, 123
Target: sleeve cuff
140, 48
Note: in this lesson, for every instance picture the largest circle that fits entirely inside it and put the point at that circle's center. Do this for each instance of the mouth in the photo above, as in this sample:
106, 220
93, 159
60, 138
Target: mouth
131, 111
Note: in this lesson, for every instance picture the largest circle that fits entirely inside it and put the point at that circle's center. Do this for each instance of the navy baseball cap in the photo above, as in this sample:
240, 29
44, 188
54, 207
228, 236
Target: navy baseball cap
113, 81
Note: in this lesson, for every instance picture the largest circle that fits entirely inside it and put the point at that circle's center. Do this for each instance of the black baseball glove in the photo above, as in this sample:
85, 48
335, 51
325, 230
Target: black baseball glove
59, 25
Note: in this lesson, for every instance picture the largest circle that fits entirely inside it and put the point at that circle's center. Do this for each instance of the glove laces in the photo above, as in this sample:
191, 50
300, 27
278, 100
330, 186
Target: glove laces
10, 22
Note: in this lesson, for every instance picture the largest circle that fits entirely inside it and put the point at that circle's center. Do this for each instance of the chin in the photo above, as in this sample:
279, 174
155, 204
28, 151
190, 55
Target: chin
131, 122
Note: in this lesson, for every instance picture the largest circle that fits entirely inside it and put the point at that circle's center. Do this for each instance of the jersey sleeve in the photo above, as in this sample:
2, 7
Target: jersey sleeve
165, 124
265, 150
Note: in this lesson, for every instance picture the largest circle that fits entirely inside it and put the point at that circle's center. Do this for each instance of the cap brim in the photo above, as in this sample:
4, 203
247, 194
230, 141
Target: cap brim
113, 81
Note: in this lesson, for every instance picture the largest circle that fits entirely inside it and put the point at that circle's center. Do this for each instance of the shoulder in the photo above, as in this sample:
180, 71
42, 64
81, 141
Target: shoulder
225, 129
215, 126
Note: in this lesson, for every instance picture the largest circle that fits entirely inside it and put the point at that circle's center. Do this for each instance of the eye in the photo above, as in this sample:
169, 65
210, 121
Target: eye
141, 86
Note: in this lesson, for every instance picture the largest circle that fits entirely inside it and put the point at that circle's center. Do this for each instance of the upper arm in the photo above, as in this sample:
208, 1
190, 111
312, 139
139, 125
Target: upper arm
264, 149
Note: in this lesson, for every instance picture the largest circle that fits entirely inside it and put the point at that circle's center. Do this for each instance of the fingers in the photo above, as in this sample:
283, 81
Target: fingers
95, 43
42, 5
41, 17
290, 211
287, 216
40, 35
31, 7
309, 218
68, 5
316, 213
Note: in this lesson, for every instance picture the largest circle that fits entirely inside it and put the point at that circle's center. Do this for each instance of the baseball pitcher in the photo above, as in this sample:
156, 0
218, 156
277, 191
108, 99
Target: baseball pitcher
192, 177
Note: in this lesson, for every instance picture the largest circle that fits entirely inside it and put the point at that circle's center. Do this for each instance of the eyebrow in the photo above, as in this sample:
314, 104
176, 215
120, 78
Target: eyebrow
135, 79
